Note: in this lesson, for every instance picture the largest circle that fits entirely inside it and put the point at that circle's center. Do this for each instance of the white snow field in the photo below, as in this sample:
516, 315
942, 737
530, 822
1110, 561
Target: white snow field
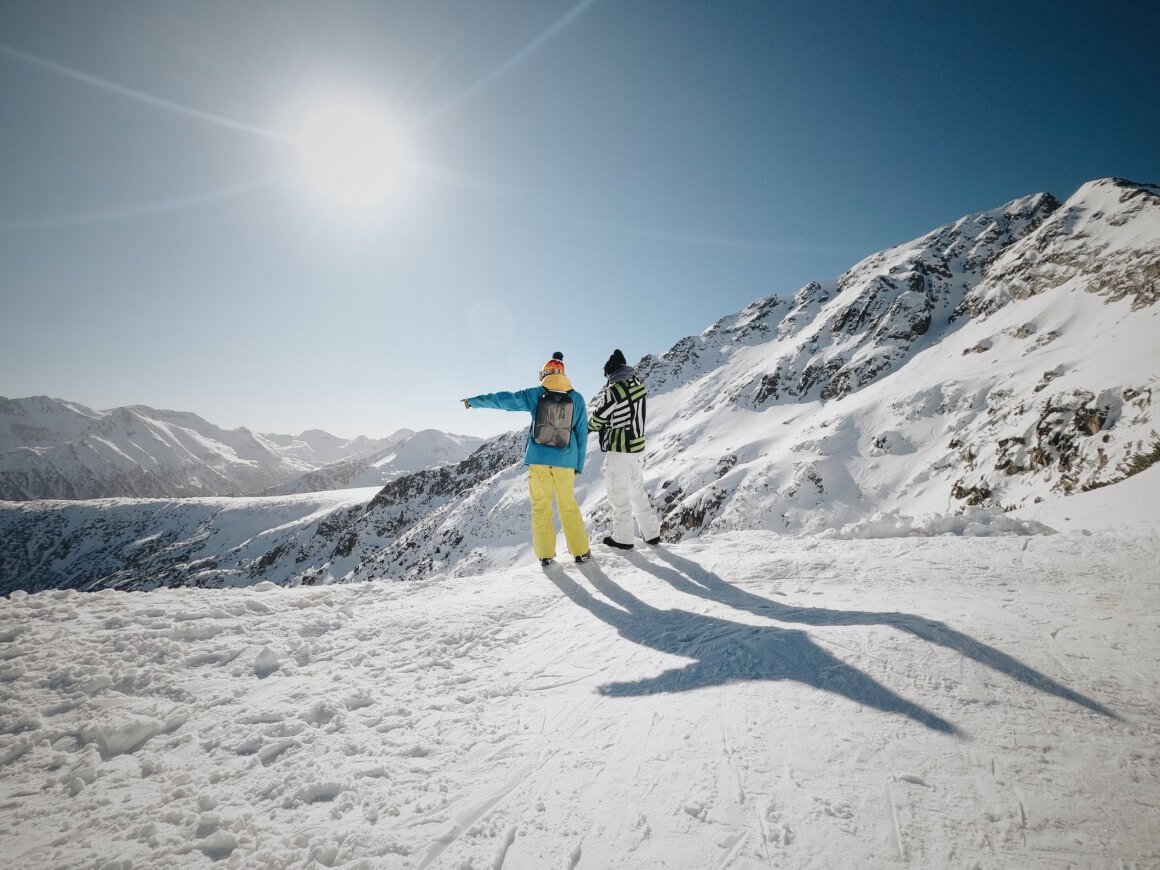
737, 700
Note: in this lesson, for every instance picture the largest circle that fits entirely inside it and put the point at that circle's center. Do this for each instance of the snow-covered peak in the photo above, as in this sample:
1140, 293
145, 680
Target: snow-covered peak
837, 336
429, 449
1106, 237
41, 421
320, 436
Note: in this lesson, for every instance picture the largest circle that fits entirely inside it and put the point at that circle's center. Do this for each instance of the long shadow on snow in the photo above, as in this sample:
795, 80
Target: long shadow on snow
727, 652
689, 577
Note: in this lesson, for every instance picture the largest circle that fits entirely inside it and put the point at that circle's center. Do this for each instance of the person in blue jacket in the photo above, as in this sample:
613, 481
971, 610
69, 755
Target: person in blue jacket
552, 469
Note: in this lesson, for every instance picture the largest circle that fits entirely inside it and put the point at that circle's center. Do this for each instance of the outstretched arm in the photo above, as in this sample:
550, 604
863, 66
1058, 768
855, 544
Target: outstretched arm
524, 400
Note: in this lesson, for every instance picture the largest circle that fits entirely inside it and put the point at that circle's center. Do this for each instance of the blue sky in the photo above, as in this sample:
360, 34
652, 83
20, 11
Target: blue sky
577, 177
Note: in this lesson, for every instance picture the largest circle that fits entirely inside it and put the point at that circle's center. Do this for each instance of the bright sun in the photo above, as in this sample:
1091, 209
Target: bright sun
348, 153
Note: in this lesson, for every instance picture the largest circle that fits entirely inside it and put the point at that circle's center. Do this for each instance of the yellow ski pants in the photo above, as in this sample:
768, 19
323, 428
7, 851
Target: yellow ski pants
546, 482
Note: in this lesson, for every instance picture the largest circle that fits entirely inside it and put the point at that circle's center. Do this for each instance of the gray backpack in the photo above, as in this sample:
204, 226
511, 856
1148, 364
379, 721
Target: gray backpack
553, 424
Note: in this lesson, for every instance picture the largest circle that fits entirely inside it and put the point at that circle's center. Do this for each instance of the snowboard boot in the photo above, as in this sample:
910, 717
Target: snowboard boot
612, 542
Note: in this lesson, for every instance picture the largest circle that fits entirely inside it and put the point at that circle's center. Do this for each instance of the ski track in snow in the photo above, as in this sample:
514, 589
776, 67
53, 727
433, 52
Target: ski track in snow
736, 701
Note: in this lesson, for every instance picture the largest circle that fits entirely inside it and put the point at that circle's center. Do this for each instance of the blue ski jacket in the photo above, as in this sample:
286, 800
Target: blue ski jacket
526, 400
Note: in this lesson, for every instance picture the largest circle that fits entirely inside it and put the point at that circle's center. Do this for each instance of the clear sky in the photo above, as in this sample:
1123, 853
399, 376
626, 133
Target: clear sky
348, 215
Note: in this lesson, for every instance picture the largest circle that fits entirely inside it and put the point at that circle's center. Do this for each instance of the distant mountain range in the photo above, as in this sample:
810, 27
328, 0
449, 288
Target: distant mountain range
318, 448
53, 449
411, 453
995, 363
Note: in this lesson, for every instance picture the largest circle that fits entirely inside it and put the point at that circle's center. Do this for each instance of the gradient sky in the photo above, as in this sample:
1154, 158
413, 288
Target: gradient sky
610, 173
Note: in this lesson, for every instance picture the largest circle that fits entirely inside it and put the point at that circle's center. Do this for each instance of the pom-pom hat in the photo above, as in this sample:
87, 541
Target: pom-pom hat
615, 363
554, 366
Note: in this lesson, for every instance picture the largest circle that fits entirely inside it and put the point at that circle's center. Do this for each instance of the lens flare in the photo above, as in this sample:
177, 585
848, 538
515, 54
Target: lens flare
349, 154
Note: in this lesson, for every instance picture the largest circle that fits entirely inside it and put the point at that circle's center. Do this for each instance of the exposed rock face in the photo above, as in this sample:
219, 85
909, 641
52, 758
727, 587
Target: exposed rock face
1092, 241
841, 337
688, 358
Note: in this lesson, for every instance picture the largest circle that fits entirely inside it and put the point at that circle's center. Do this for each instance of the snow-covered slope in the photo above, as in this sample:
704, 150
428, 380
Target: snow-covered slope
411, 452
738, 700
921, 385
1003, 361
883, 392
144, 543
293, 539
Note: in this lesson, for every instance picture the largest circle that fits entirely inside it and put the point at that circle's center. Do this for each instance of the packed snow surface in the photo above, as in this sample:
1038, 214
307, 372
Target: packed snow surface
741, 699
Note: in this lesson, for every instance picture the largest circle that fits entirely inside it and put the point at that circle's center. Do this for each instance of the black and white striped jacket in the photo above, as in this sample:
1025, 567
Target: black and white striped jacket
618, 412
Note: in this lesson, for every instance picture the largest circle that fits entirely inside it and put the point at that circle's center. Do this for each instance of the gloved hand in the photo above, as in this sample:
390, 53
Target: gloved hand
466, 404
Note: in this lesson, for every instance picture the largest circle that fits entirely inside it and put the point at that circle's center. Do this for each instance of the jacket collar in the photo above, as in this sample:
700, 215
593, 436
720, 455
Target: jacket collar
556, 383
623, 373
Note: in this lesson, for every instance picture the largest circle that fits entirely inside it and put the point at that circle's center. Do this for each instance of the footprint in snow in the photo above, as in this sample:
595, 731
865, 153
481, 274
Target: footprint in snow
266, 663
911, 778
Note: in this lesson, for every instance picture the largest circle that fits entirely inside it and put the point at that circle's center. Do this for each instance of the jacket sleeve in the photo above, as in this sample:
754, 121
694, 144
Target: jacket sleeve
524, 400
601, 407
580, 429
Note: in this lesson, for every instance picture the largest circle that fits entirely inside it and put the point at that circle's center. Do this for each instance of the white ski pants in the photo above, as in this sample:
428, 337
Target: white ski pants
624, 477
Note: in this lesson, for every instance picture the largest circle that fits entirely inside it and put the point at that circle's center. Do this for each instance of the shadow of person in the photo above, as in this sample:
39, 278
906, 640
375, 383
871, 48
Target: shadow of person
689, 577
726, 652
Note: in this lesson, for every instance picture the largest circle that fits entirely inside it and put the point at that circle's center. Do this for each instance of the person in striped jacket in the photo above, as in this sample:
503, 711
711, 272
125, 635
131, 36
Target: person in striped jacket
617, 415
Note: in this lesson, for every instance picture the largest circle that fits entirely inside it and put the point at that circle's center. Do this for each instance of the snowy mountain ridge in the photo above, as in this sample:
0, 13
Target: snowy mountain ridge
952, 383
842, 334
411, 452
61, 449
51, 448
976, 362
319, 448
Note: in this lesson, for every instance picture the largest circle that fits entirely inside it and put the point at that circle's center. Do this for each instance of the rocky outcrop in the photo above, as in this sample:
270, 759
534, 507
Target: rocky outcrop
840, 338
1093, 240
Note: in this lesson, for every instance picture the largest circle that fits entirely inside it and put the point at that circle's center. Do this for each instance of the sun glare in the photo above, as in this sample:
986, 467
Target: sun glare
348, 154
